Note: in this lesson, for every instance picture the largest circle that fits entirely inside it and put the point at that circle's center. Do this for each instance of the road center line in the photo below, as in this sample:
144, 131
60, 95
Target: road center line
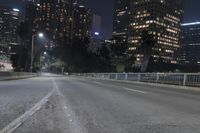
18, 121
129, 89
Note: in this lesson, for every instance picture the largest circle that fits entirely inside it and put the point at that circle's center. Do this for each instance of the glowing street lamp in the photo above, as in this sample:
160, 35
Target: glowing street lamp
40, 35
96, 33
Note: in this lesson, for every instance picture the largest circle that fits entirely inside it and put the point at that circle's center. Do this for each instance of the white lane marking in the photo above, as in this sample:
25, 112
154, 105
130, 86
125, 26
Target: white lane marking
129, 89
18, 121
75, 125
97, 82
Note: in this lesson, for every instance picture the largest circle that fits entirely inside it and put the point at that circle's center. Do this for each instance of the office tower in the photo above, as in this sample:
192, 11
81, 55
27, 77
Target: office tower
121, 20
82, 22
160, 18
96, 25
54, 18
10, 19
190, 43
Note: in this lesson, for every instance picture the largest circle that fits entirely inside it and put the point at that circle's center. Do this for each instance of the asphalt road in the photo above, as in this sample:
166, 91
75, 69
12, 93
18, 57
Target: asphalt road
56, 104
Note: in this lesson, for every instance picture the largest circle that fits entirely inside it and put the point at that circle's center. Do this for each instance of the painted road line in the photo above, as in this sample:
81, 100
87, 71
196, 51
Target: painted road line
138, 91
97, 82
18, 121
74, 126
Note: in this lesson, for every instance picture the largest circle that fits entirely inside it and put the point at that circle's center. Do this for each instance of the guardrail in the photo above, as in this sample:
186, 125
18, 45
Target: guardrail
182, 79
16, 75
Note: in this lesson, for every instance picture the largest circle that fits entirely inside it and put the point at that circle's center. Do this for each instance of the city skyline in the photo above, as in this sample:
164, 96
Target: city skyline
190, 7
99, 66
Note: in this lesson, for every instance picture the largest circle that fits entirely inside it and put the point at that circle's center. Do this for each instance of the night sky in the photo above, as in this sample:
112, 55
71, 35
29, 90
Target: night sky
104, 8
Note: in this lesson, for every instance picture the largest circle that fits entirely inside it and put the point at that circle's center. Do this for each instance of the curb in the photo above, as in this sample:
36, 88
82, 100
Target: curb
17, 78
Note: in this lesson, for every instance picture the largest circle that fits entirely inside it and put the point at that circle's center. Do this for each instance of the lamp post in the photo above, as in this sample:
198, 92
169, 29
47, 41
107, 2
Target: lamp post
40, 35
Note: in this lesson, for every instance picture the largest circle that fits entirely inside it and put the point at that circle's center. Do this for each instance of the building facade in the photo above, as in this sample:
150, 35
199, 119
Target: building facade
96, 25
52, 17
10, 19
160, 18
31, 14
190, 43
121, 20
82, 22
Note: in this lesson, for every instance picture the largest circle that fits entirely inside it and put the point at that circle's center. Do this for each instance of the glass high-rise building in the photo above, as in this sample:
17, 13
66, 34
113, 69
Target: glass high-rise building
161, 18
190, 43
82, 22
96, 25
10, 19
55, 18
121, 20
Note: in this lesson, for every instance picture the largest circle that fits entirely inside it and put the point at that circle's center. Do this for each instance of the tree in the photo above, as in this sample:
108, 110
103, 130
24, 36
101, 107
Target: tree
130, 61
147, 43
104, 59
75, 55
118, 50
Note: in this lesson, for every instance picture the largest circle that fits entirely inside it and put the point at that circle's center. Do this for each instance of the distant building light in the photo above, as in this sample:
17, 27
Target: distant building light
81, 6
108, 41
187, 24
38, 4
96, 33
15, 9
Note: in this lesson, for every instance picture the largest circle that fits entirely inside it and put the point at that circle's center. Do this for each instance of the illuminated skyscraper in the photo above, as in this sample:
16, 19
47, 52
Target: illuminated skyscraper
121, 20
10, 19
96, 25
191, 43
31, 13
54, 18
82, 22
161, 18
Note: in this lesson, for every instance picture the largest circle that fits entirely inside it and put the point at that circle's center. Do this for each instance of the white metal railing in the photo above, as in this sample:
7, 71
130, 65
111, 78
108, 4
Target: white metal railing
183, 79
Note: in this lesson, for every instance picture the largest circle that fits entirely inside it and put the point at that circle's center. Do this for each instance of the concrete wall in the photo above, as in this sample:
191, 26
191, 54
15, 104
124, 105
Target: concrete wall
15, 75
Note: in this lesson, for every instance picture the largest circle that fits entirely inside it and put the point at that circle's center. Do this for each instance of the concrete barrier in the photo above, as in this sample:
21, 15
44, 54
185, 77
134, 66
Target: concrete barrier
16, 75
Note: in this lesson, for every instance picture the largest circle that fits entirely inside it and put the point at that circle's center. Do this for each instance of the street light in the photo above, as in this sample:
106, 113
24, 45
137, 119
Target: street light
40, 35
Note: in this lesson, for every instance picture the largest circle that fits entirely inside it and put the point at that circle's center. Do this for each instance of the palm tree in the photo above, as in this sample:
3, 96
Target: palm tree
147, 44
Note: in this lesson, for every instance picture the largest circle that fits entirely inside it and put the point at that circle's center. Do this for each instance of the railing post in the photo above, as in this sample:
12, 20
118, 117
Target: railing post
184, 79
126, 76
103, 76
116, 76
139, 77
157, 77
